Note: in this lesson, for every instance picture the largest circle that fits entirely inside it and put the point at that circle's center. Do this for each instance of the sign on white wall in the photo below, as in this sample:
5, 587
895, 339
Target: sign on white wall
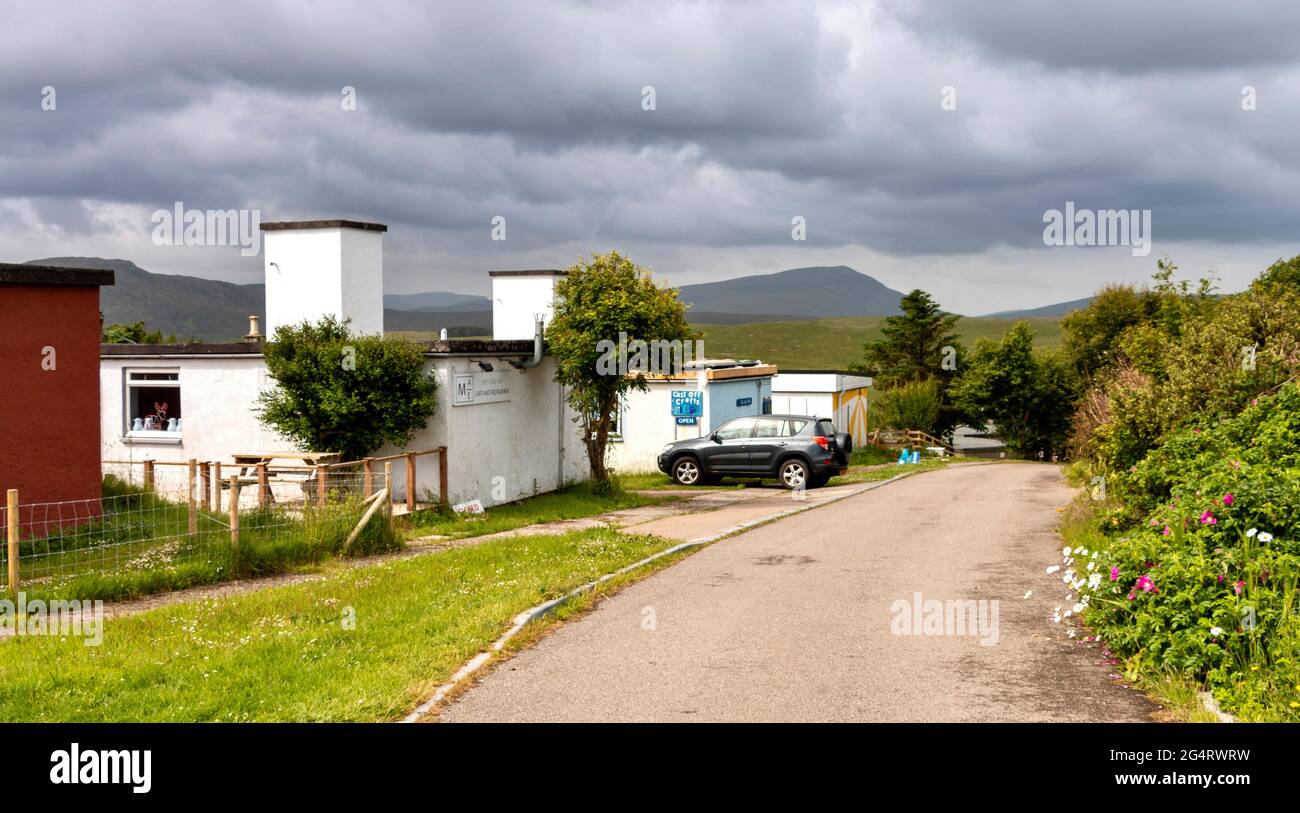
469, 389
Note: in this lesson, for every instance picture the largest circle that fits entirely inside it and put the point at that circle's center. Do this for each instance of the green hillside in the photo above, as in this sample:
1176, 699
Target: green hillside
834, 344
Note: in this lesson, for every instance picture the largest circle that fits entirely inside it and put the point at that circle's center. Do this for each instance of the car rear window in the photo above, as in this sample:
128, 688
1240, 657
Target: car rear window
794, 426
826, 429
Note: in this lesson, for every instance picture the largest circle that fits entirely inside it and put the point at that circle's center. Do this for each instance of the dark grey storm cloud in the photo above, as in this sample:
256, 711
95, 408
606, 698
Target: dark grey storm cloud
763, 111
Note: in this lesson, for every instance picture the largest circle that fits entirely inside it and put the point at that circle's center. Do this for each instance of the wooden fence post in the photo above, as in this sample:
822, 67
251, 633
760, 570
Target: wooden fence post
11, 515
442, 476
388, 489
234, 511
148, 475
410, 482
322, 476
216, 485
205, 484
190, 502
263, 486
369, 473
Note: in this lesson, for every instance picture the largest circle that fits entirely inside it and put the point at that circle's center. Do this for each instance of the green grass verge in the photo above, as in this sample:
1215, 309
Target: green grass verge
287, 653
575, 502
141, 546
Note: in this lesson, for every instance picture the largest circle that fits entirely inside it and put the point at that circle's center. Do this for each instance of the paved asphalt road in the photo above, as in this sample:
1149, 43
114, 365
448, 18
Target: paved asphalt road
792, 621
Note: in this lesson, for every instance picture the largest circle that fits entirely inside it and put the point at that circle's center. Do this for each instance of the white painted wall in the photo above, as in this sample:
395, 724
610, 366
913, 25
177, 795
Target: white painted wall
217, 401
312, 273
518, 441
517, 302
648, 423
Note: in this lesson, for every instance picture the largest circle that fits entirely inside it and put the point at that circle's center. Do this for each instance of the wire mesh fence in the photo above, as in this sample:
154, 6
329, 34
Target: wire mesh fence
143, 537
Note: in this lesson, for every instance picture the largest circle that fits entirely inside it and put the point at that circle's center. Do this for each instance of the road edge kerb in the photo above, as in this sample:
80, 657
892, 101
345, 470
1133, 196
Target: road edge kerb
526, 617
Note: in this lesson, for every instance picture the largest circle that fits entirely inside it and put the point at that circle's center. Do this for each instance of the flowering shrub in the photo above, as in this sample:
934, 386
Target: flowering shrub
1202, 561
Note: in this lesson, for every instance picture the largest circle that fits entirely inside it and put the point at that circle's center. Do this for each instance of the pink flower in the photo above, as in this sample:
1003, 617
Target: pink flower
1166, 531
1145, 584
1239, 587
1114, 573
1220, 578
1227, 498
1208, 518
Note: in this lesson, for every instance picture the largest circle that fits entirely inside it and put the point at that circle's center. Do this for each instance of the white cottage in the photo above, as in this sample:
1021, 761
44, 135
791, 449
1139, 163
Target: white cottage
507, 427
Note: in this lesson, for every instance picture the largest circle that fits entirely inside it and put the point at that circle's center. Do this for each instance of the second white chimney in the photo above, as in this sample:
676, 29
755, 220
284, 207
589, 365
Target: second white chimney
317, 268
519, 299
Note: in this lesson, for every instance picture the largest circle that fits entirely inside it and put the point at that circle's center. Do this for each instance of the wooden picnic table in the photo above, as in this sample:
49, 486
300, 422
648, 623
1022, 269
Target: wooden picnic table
251, 463
305, 458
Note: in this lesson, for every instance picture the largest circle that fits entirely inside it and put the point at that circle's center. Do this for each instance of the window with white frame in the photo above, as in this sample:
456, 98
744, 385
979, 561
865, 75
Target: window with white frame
616, 421
153, 403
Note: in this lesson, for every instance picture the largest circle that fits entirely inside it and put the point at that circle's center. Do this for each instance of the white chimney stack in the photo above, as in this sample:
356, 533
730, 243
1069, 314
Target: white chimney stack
317, 268
519, 299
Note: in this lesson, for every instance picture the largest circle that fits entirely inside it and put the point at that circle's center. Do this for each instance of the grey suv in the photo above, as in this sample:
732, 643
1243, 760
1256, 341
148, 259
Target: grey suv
798, 450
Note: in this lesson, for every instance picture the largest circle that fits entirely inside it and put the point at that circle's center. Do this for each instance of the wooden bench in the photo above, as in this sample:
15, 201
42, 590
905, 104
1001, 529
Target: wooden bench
255, 469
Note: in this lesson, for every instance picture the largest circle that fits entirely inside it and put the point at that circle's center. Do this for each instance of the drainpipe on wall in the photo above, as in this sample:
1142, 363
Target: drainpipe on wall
559, 436
537, 350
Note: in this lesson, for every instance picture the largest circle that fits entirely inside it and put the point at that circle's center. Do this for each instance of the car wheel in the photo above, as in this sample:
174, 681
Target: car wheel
793, 474
687, 471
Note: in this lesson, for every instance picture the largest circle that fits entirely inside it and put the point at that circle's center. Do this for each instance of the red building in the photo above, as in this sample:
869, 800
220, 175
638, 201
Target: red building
49, 383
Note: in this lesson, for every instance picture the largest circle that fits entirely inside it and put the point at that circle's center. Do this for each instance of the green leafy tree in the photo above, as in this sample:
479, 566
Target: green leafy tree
1091, 334
913, 345
918, 345
914, 405
343, 393
1029, 396
599, 301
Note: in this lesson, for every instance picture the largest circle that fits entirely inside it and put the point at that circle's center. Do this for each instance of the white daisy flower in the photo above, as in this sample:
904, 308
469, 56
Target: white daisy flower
1251, 533
1265, 538
1216, 631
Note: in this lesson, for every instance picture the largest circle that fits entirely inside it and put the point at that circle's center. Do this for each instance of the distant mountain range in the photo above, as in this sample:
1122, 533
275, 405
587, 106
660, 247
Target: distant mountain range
809, 293
1059, 309
436, 301
212, 310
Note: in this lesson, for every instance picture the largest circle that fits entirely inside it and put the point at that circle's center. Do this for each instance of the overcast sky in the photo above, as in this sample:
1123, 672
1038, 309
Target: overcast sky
534, 111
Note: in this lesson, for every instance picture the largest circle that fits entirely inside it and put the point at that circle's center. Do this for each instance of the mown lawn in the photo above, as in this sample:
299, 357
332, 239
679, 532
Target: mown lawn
289, 653
575, 502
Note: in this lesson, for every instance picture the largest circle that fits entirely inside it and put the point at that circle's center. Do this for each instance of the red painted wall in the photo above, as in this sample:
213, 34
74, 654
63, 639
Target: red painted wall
49, 419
